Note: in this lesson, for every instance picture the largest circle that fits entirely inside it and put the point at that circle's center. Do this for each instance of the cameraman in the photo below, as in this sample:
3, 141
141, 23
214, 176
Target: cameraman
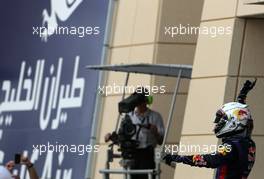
24, 161
150, 132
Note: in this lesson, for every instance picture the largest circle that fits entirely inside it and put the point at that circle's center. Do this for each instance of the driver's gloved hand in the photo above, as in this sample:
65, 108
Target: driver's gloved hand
172, 158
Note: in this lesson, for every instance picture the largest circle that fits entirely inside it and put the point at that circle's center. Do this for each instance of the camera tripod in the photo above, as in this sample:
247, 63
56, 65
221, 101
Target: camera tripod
127, 165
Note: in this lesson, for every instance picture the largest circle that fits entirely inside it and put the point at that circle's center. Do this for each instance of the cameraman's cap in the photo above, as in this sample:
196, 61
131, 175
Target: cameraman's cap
142, 91
145, 95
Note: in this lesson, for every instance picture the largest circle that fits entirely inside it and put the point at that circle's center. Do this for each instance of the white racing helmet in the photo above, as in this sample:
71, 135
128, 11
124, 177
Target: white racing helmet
233, 118
4, 173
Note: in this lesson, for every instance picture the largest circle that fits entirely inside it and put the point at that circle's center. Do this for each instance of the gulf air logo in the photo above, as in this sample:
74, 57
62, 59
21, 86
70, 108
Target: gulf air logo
59, 10
240, 114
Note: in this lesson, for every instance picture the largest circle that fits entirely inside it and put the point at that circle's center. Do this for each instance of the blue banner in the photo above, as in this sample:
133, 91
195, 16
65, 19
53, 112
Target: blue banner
46, 94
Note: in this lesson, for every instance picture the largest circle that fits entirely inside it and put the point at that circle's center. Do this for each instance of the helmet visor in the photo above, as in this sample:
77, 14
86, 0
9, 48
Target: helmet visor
220, 120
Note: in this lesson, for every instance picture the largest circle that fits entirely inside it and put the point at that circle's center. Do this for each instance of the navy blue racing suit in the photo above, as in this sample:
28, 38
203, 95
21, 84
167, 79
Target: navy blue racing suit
233, 161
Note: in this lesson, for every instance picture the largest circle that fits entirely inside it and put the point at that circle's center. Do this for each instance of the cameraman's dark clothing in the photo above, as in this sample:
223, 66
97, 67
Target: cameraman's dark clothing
144, 154
233, 164
144, 159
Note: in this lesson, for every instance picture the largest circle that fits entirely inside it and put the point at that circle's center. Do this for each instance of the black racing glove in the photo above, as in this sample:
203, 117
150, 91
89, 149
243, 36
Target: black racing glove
248, 85
172, 158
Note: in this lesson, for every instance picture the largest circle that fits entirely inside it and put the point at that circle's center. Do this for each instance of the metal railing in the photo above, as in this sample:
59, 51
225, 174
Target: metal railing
128, 172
